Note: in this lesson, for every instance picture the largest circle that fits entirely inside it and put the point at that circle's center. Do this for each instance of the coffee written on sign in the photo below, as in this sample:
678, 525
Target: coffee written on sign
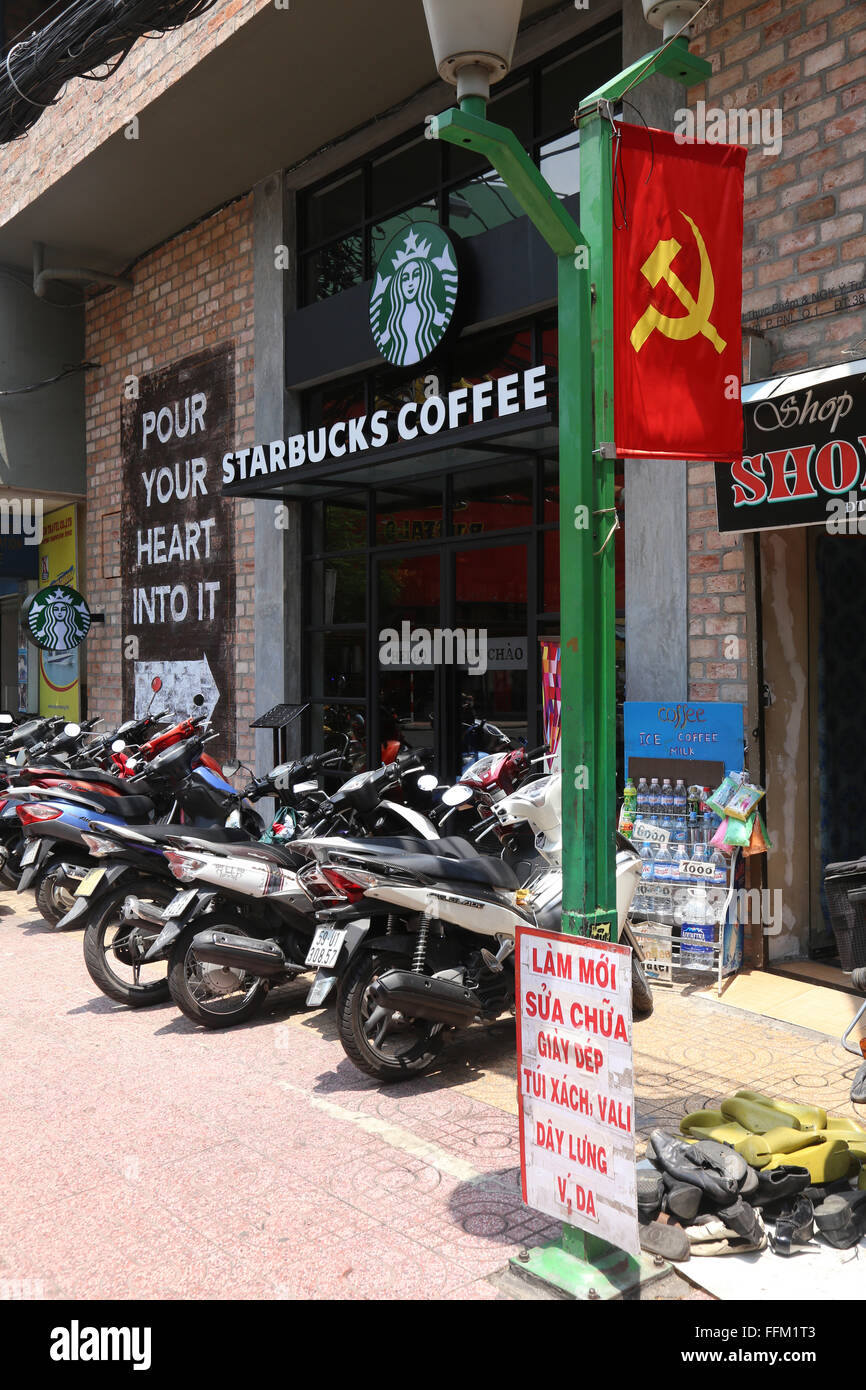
575, 1083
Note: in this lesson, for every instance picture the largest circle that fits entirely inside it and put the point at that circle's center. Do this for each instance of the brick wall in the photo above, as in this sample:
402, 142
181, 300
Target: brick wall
804, 234
89, 113
194, 292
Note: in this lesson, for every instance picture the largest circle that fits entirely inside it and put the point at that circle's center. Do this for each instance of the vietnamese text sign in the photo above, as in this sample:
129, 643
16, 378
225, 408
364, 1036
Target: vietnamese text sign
575, 1083
177, 551
711, 731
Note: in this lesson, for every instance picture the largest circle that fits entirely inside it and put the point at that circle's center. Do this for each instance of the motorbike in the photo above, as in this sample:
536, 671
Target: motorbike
259, 934
423, 943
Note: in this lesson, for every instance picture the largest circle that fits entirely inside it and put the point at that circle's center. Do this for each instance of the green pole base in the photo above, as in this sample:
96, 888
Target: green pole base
601, 1271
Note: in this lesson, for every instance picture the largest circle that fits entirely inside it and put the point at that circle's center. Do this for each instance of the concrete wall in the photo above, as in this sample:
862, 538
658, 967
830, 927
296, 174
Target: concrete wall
41, 432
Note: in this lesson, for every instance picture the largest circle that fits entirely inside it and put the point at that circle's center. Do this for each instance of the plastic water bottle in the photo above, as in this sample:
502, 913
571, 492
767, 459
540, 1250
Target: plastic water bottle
695, 918
709, 827
667, 824
663, 866
680, 798
682, 853
655, 797
647, 861
693, 830
680, 832
643, 806
720, 868
699, 853
667, 797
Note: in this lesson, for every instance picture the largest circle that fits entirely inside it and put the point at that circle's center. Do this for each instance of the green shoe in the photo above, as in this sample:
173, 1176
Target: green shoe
804, 1116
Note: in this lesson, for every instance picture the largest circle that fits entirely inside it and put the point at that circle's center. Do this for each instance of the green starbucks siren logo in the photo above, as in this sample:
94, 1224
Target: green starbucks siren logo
413, 298
58, 618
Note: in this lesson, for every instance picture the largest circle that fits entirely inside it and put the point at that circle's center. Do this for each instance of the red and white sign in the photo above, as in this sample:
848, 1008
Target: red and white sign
576, 1083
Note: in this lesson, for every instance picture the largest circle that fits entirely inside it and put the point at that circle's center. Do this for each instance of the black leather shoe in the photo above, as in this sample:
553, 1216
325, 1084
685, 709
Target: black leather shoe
841, 1218
794, 1226
780, 1184
699, 1164
650, 1191
682, 1199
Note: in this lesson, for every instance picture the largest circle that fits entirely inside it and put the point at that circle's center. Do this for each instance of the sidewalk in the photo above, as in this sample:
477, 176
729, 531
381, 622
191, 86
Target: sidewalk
145, 1158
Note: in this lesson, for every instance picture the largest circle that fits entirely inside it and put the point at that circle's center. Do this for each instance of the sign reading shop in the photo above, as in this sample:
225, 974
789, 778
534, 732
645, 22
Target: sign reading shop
804, 460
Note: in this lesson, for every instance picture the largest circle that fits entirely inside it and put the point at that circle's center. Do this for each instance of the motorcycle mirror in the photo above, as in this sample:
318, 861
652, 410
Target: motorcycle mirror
230, 768
427, 783
118, 745
72, 730
456, 796
6, 719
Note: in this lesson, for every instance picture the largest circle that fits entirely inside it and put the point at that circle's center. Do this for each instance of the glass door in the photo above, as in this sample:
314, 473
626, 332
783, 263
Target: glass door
406, 703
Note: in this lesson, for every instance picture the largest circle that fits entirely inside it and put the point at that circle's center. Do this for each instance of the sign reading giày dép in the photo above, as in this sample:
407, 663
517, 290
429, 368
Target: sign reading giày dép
575, 1083
465, 405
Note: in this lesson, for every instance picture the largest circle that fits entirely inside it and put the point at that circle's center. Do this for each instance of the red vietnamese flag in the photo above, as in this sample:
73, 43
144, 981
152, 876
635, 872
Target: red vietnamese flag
677, 297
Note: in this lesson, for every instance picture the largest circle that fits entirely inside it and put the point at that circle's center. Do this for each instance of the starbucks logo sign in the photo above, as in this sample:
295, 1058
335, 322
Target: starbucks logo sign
58, 618
414, 293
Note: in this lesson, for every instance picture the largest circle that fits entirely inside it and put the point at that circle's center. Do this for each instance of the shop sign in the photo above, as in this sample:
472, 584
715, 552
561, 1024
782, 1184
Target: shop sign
59, 687
709, 732
804, 460
58, 619
466, 405
414, 293
576, 1083
177, 550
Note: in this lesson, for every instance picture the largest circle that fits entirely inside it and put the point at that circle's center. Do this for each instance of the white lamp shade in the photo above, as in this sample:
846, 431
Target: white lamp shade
466, 33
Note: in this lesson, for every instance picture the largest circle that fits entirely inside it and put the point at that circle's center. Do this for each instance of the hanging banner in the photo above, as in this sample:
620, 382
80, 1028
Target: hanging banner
177, 542
576, 1083
551, 691
59, 687
804, 458
677, 290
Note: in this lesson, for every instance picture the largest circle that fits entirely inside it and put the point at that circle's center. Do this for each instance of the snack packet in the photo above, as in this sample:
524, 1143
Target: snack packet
739, 833
744, 801
721, 796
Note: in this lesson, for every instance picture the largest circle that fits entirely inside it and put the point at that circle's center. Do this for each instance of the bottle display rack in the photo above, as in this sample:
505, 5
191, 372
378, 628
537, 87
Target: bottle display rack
662, 946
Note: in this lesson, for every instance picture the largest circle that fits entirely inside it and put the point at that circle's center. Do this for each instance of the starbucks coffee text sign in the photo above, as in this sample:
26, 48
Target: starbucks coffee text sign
575, 1083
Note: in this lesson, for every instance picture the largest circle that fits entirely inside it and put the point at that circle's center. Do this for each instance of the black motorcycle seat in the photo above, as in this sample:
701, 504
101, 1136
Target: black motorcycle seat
381, 844
480, 869
128, 807
215, 834
93, 774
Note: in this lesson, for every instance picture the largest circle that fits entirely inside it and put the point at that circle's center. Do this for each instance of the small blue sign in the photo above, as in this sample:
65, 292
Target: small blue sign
700, 732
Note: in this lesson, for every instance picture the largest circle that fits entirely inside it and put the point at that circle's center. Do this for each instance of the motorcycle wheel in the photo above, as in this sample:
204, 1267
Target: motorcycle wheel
10, 869
113, 948
382, 1043
213, 995
641, 994
52, 901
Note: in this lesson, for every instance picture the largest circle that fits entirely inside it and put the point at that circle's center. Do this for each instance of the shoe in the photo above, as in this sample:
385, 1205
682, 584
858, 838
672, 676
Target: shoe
682, 1199
743, 1220
798, 1116
670, 1242
858, 1086
794, 1226
650, 1191
826, 1161
817, 1194
841, 1218
723, 1157
749, 1185
711, 1124
780, 1184
713, 1235
697, 1164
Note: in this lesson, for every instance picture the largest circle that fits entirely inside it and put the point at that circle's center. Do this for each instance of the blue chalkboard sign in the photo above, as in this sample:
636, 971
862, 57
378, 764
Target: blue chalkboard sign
686, 733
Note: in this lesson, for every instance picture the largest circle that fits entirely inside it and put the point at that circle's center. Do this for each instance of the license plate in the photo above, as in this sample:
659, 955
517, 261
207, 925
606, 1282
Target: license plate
180, 902
89, 882
326, 947
30, 853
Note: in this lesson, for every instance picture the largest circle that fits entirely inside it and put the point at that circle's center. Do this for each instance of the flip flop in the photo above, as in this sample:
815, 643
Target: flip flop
802, 1116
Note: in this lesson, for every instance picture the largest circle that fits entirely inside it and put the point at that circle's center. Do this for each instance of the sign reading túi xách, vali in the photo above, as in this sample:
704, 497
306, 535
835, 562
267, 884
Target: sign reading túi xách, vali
575, 1083
466, 405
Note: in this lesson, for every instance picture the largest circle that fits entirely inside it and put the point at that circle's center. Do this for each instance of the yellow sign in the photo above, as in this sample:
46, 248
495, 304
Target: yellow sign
696, 319
59, 689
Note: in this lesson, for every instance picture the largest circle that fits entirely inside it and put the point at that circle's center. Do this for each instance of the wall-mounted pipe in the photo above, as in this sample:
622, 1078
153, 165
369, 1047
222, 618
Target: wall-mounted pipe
43, 275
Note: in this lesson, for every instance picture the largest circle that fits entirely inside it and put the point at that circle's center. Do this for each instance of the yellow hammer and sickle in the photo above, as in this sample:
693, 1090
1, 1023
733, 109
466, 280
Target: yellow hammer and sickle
696, 320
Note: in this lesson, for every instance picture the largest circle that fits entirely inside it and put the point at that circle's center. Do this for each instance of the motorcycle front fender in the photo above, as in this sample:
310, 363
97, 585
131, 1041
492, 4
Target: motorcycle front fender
29, 873
161, 947
325, 980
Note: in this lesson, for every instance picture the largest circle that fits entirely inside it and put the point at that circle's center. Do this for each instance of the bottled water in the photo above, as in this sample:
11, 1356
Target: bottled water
680, 832
647, 859
667, 797
655, 797
682, 853
709, 826
694, 829
720, 868
643, 806
680, 798
696, 919
699, 853
663, 866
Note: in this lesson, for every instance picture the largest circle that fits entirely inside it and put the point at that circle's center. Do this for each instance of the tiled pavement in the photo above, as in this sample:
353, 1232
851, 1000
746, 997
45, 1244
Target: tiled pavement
145, 1158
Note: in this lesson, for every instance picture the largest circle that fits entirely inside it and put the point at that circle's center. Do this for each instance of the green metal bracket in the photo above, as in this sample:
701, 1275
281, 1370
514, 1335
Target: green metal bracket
672, 60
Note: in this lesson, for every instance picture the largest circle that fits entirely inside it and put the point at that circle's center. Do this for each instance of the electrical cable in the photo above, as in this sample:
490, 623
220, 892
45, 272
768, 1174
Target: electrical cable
88, 35
50, 381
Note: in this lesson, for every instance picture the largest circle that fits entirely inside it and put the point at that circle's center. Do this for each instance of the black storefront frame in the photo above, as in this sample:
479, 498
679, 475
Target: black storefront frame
446, 546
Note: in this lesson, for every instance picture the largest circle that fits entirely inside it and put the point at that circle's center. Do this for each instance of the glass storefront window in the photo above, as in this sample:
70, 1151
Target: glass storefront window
334, 209
550, 491
486, 358
382, 232
482, 505
338, 664
409, 513
346, 523
560, 164
409, 588
408, 172
478, 206
566, 83
338, 590
550, 572
333, 269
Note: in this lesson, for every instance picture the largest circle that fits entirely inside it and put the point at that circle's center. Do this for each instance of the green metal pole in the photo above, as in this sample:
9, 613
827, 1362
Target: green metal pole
582, 1264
